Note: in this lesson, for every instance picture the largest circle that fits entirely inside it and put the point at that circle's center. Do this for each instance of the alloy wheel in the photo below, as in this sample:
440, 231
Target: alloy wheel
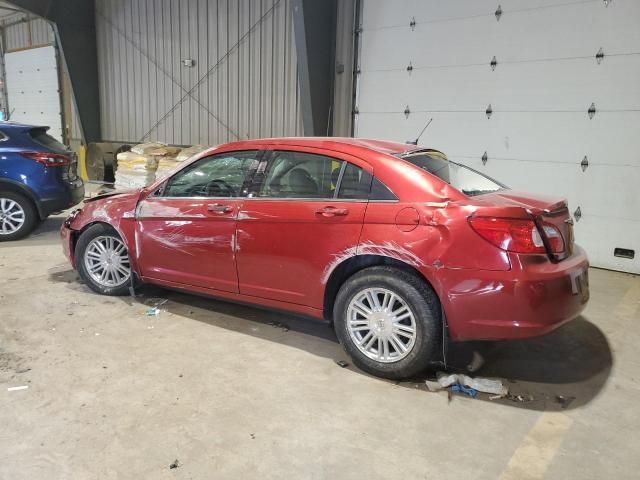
107, 261
12, 216
381, 325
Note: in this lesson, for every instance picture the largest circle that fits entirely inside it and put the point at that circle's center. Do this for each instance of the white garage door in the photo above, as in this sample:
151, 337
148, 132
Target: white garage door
528, 113
33, 88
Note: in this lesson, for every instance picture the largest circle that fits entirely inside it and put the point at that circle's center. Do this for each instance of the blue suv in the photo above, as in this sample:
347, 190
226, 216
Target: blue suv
38, 177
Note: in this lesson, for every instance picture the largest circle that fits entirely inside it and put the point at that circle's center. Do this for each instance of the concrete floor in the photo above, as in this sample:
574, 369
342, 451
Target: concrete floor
230, 392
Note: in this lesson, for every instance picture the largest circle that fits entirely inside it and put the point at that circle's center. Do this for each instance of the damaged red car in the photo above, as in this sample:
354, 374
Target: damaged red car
401, 248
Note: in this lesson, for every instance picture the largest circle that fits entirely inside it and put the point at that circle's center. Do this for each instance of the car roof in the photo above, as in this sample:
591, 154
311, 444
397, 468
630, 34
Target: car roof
341, 144
9, 125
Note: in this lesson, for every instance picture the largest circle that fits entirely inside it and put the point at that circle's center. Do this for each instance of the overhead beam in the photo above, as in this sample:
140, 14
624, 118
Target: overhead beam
75, 29
314, 23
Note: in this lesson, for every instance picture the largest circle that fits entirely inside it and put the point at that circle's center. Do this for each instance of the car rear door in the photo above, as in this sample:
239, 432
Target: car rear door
186, 229
293, 226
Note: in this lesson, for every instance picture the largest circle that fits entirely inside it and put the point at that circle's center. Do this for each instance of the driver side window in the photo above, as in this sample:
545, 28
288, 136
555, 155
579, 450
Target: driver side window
222, 175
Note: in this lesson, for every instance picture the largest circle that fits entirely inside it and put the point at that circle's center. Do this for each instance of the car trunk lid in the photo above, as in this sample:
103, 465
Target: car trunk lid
544, 210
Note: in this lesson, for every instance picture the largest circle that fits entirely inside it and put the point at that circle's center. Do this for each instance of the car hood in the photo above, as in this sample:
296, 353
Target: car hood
119, 194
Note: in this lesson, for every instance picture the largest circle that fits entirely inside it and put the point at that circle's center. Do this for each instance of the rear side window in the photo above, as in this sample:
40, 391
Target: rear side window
300, 175
40, 136
355, 183
358, 184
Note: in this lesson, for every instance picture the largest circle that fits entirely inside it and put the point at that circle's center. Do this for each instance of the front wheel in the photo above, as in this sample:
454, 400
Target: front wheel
102, 260
388, 321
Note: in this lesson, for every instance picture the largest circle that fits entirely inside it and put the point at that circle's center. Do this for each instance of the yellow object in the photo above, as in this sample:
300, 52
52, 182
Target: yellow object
82, 163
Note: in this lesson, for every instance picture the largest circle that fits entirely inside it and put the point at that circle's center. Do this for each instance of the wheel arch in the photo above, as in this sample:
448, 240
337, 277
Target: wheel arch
349, 267
75, 235
8, 185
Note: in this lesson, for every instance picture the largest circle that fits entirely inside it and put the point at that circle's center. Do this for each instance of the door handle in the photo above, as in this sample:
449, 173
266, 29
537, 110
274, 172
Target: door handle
219, 208
332, 212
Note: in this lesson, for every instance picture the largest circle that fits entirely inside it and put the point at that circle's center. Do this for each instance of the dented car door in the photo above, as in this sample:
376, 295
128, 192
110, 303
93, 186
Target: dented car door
186, 229
298, 222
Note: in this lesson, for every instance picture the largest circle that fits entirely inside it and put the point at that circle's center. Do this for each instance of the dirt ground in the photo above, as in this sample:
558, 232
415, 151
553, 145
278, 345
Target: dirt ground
232, 391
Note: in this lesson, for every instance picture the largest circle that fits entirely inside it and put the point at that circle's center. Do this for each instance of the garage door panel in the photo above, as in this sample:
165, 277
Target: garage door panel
544, 137
545, 80
606, 140
599, 236
605, 191
476, 39
384, 13
33, 88
571, 86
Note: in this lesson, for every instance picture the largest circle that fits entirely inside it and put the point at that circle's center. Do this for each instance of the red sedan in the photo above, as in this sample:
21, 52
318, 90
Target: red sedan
399, 246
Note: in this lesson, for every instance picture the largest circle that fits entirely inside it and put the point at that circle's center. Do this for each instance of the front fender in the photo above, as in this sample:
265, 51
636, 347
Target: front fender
117, 211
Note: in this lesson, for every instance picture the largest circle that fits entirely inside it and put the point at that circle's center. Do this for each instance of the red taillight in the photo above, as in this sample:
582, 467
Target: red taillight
554, 237
517, 235
48, 159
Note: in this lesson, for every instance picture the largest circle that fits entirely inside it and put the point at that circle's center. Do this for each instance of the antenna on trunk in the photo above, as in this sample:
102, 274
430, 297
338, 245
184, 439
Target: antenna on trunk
415, 142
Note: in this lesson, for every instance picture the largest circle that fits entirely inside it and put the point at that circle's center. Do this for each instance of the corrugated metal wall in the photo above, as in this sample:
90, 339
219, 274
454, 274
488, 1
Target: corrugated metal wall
22, 31
243, 82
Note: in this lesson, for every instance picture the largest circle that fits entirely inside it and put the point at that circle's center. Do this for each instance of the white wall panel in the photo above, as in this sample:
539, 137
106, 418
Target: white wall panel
32, 88
545, 80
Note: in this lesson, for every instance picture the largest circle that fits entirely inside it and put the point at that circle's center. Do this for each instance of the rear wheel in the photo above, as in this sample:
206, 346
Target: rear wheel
102, 260
388, 321
18, 216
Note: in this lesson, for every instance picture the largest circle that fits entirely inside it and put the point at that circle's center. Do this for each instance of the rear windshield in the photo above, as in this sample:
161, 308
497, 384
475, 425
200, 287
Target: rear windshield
40, 136
463, 178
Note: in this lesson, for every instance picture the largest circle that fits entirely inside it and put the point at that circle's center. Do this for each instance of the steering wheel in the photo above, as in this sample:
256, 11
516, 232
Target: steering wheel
219, 188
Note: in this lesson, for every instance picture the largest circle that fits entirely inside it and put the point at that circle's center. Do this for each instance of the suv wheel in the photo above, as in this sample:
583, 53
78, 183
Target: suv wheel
388, 321
18, 216
102, 260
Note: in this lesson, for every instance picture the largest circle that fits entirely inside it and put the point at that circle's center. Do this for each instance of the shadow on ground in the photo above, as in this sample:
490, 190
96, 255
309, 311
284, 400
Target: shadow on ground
565, 369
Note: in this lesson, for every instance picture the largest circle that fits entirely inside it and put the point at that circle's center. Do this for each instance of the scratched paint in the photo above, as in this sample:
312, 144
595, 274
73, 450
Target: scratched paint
157, 209
386, 249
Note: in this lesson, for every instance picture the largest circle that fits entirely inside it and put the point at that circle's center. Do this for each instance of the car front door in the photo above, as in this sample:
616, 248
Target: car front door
186, 229
298, 221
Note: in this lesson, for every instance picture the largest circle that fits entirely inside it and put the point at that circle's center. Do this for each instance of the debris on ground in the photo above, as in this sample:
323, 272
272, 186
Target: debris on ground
253, 436
15, 389
283, 326
479, 384
342, 364
476, 362
564, 401
156, 301
175, 464
459, 388
153, 312
520, 398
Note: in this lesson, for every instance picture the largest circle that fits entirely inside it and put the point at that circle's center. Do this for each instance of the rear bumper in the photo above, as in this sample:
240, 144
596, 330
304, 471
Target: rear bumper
532, 299
71, 195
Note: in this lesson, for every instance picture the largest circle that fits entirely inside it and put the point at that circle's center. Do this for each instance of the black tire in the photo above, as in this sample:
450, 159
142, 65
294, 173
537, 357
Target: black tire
31, 218
85, 239
422, 301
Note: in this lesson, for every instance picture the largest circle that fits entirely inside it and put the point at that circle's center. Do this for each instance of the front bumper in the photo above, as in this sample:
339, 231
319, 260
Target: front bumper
532, 299
66, 238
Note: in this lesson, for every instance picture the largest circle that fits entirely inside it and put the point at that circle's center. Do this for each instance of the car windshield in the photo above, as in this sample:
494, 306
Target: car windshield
465, 179
40, 135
